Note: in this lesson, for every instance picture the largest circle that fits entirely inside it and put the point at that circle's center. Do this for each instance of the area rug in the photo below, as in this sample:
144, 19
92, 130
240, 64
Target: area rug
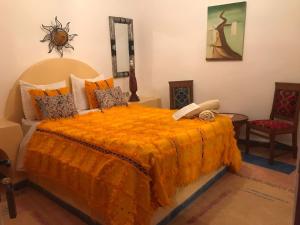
272, 178
236, 200
261, 161
285, 163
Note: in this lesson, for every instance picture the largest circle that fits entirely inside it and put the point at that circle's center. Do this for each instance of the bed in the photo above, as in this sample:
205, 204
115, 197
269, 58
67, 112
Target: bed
128, 165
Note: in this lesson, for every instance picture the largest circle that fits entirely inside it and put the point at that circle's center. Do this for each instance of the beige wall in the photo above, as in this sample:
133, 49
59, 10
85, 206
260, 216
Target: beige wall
176, 38
21, 34
170, 41
175, 33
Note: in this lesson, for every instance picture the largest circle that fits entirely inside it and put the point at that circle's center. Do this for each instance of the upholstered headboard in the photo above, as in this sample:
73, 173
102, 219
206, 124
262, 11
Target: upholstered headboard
44, 72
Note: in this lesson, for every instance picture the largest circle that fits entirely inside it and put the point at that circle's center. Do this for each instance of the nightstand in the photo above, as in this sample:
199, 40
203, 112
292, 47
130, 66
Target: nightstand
149, 101
238, 120
10, 137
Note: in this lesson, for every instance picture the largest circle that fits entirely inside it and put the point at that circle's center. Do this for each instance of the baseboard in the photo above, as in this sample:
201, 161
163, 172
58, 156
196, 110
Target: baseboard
20, 185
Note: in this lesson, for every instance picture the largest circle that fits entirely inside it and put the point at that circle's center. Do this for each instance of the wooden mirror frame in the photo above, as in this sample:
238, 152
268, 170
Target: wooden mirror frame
129, 22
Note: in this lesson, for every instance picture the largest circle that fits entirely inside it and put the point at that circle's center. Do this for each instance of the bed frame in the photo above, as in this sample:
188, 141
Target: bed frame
163, 216
45, 72
54, 70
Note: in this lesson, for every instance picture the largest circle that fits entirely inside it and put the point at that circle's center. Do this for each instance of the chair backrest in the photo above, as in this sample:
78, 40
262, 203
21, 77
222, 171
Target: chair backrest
181, 93
286, 102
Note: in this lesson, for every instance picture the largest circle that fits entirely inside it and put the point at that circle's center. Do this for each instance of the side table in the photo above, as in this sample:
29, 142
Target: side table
238, 120
10, 137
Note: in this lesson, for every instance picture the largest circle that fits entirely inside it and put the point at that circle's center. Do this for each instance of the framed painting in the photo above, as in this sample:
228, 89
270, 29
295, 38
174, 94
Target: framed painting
225, 31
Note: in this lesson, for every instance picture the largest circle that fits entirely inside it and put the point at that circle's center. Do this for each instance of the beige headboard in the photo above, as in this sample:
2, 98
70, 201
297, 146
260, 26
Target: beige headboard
44, 72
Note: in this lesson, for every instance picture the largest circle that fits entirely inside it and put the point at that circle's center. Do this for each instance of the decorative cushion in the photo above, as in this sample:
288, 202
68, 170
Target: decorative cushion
285, 102
29, 111
272, 124
38, 92
90, 88
110, 97
55, 107
79, 93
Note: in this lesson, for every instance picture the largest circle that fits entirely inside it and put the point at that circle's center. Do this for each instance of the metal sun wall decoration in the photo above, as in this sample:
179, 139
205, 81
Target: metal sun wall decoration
58, 37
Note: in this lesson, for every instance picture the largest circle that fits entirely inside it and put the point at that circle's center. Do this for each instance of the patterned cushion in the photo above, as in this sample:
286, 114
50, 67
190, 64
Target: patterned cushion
55, 107
271, 124
285, 102
49, 92
111, 97
90, 88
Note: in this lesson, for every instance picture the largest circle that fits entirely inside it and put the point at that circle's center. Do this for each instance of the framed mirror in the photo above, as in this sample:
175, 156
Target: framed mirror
122, 46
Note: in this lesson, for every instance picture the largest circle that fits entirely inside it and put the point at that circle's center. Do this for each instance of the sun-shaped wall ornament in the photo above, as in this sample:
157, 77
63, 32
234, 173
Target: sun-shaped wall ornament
58, 37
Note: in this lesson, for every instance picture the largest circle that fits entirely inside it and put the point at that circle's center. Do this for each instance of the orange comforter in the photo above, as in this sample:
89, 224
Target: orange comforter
127, 161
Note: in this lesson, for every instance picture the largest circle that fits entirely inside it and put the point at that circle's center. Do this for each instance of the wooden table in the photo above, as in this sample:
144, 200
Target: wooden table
238, 120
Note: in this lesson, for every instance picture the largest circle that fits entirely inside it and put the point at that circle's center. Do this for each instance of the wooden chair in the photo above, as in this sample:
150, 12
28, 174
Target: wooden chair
181, 93
9, 191
283, 119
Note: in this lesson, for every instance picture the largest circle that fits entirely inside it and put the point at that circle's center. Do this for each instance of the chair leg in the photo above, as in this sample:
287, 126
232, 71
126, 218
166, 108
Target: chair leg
272, 148
295, 144
247, 138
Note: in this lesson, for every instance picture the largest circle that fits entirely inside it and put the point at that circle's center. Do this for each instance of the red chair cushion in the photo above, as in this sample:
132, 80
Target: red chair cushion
285, 103
272, 124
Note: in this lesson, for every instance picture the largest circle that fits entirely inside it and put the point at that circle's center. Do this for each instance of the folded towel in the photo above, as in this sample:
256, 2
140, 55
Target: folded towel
207, 115
193, 109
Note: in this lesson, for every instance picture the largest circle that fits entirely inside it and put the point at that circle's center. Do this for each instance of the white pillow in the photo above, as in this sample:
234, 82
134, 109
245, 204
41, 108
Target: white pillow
28, 109
213, 104
78, 89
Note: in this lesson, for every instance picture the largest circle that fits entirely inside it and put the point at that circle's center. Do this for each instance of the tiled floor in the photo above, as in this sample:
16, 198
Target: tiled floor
253, 196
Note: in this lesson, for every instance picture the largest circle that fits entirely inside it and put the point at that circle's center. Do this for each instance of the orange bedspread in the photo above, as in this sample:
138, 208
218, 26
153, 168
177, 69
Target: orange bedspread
127, 161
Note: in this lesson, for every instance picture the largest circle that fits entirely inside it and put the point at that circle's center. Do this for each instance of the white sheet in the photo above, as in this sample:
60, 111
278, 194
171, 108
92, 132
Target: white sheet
29, 128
